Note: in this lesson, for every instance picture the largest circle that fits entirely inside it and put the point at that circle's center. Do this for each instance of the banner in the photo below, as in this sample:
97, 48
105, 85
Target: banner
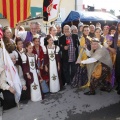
12, 76
51, 10
15, 10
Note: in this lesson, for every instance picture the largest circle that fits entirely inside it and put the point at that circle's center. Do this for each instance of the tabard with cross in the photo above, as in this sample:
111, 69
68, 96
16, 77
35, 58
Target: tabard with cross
32, 62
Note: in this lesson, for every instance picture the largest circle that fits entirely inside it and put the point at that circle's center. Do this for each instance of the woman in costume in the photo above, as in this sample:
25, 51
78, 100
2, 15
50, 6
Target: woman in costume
31, 74
81, 78
112, 51
98, 35
100, 65
52, 64
38, 51
52, 33
19, 51
9, 43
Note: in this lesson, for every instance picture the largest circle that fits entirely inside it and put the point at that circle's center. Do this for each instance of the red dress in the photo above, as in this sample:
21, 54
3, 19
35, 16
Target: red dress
40, 62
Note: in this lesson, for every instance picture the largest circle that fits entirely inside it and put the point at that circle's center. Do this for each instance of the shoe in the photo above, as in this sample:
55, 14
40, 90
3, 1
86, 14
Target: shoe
90, 93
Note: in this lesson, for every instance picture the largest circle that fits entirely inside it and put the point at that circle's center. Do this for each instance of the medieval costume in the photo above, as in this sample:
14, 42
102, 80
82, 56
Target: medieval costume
30, 67
19, 55
81, 78
99, 65
55, 39
40, 62
51, 60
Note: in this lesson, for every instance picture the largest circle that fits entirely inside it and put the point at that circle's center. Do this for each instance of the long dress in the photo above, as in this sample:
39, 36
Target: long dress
54, 81
81, 76
33, 84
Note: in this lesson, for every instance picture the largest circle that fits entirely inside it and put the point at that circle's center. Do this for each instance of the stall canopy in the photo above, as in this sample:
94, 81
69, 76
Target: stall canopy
86, 16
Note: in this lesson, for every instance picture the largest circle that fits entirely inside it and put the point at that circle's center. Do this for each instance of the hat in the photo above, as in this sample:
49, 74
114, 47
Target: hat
109, 37
95, 40
80, 24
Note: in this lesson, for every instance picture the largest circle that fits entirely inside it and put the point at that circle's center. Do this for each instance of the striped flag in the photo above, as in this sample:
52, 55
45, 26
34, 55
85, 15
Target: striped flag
15, 10
51, 10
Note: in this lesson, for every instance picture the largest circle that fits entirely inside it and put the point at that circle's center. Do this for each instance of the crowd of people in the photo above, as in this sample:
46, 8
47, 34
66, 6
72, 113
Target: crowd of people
83, 56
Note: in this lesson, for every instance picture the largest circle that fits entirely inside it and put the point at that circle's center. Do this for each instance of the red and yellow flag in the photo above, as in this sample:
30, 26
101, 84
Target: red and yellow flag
15, 10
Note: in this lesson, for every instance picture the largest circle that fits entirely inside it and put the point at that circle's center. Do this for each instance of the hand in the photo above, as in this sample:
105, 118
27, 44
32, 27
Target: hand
41, 80
24, 87
46, 68
66, 47
77, 62
28, 76
12, 90
58, 67
105, 45
18, 25
85, 46
41, 67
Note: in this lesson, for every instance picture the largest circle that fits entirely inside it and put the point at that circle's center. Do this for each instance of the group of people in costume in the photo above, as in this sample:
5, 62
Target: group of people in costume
82, 57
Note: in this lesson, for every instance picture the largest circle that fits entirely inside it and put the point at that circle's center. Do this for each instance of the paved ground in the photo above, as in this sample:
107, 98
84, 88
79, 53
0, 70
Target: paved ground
69, 104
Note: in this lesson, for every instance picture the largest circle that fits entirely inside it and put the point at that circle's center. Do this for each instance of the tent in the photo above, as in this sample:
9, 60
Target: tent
88, 16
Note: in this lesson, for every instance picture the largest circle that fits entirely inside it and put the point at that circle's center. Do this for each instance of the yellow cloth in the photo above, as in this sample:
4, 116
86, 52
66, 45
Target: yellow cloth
83, 56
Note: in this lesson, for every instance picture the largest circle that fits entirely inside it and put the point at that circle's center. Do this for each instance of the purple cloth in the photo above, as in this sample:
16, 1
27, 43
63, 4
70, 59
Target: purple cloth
113, 77
29, 38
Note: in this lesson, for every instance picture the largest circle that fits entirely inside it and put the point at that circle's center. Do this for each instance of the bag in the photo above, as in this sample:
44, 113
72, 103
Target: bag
44, 86
97, 71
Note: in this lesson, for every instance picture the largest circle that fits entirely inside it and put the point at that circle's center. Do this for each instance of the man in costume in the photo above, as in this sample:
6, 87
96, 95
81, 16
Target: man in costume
99, 64
27, 36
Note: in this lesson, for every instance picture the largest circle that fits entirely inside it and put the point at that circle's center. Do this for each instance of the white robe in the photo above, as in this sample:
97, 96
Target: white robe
53, 74
35, 93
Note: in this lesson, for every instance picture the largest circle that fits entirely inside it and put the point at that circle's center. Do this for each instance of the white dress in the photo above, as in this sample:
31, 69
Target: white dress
35, 87
54, 79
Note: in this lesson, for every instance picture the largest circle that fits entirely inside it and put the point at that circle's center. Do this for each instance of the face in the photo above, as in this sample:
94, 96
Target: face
112, 32
81, 28
94, 45
50, 41
67, 30
92, 29
13, 59
33, 29
29, 49
20, 45
97, 32
109, 42
58, 29
75, 31
38, 28
8, 33
53, 31
86, 31
36, 42
105, 31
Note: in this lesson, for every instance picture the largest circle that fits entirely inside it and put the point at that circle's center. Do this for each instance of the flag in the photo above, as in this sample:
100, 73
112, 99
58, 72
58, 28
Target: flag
15, 10
51, 10
12, 76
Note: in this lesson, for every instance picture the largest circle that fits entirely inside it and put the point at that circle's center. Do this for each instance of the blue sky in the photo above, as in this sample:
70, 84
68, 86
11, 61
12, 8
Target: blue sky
107, 4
